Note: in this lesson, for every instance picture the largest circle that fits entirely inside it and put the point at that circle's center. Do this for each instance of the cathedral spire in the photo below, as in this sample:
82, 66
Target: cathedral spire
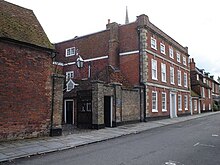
126, 17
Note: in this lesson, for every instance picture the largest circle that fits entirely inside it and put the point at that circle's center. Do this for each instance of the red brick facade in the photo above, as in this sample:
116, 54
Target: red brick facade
121, 46
25, 91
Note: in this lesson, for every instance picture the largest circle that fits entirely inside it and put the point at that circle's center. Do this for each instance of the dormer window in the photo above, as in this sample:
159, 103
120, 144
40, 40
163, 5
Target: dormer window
70, 51
70, 85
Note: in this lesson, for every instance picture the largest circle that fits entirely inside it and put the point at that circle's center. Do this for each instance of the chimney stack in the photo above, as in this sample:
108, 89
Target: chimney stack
192, 64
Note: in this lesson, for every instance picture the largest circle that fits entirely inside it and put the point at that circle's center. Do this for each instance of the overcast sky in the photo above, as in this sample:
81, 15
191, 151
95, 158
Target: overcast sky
192, 23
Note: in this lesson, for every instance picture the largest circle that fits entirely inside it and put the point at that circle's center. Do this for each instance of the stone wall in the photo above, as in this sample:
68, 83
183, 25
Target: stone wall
130, 105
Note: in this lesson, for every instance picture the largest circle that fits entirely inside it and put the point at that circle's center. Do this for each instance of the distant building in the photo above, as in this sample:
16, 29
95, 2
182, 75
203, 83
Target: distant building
25, 74
136, 54
205, 87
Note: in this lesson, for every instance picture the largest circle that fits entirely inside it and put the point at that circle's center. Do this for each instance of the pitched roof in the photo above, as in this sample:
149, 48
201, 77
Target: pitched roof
18, 23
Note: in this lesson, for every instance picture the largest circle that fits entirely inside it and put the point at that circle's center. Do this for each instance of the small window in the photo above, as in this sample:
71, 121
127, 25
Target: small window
178, 57
153, 43
86, 107
179, 102
185, 80
70, 51
172, 75
203, 106
179, 77
154, 101
69, 75
154, 69
171, 52
164, 102
163, 72
184, 60
162, 48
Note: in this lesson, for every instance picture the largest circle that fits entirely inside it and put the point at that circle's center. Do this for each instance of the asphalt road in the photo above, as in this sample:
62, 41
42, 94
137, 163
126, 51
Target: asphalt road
194, 142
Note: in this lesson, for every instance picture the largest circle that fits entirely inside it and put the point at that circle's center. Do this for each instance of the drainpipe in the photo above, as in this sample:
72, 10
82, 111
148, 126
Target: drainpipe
115, 104
52, 107
52, 99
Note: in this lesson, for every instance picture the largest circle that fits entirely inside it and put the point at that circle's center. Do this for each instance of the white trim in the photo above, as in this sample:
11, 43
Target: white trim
58, 63
73, 63
129, 53
167, 87
65, 109
162, 57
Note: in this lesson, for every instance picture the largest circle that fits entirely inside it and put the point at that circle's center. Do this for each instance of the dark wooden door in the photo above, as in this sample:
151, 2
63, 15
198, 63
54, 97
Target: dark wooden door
107, 111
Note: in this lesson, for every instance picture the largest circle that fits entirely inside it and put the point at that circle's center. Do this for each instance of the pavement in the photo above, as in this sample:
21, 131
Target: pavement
29, 147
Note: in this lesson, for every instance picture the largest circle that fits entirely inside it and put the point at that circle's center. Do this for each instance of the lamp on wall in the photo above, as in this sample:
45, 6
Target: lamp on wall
79, 62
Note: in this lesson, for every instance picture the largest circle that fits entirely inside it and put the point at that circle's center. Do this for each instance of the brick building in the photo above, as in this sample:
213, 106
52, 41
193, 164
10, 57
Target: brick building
144, 57
205, 87
25, 74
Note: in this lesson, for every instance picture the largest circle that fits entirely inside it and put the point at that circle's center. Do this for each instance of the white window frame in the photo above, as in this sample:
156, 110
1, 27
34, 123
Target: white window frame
171, 52
172, 80
70, 51
162, 48
184, 61
154, 102
153, 43
164, 101
163, 72
178, 57
179, 102
154, 69
69, 75
185, 80
186, 102
179, 77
